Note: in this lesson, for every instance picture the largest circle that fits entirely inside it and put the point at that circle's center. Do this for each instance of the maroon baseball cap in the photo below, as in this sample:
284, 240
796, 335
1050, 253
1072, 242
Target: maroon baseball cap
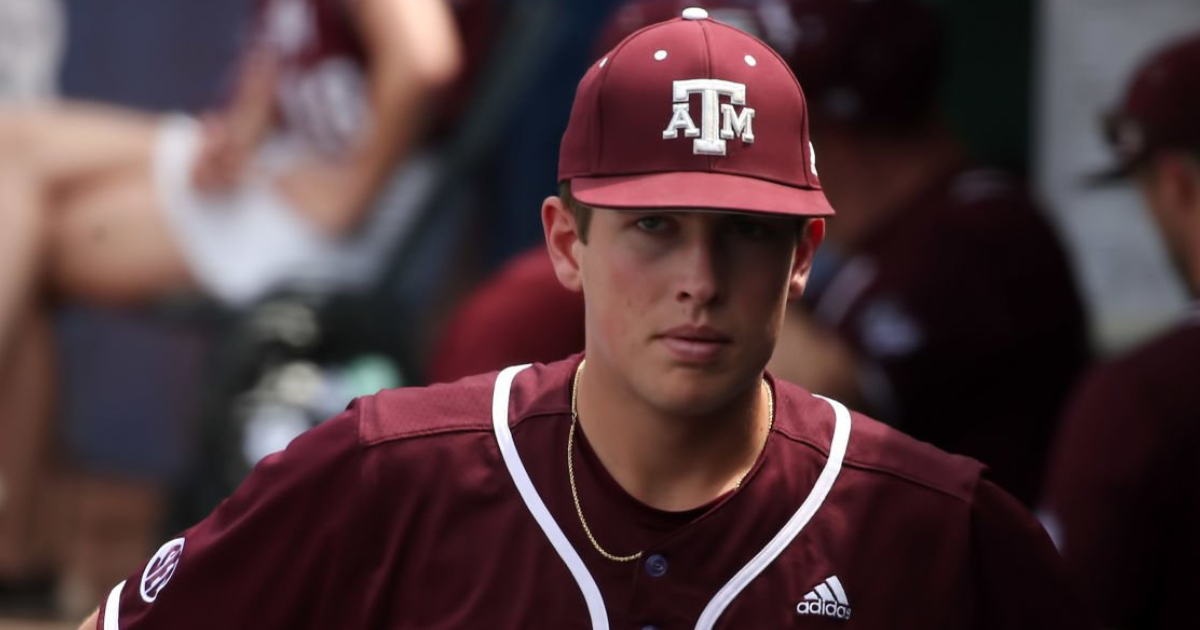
692, 114
1160, 110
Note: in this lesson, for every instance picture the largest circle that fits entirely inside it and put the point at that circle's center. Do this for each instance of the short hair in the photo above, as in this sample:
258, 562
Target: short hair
582, 211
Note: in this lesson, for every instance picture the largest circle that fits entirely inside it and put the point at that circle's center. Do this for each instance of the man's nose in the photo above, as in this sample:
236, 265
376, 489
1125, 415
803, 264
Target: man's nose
700, 275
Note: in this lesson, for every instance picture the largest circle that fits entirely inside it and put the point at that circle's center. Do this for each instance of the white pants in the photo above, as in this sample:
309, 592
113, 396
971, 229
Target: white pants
244, 244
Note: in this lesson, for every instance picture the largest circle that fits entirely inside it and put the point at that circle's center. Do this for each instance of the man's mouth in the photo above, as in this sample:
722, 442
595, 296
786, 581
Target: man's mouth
695, 344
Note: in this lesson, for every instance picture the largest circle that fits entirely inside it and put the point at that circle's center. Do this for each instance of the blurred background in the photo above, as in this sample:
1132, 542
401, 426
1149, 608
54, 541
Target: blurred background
179, 398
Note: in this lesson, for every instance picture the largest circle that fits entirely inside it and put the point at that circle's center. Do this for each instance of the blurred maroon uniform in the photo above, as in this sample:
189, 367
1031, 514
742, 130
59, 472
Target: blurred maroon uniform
522, 315
321, 93
413, 510
1122, 497
967, 316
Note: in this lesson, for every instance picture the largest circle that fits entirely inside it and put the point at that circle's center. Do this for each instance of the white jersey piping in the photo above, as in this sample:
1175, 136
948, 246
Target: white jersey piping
833, 466
112, 608
516, 469
587, 584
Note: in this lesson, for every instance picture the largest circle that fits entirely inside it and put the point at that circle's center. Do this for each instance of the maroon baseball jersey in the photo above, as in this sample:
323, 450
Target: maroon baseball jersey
1123, 496
321, 89
449, 507
965, 313
321, 92
521, 315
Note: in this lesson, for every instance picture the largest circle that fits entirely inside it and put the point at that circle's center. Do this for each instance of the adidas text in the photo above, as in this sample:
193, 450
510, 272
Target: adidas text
827, 599
823, 609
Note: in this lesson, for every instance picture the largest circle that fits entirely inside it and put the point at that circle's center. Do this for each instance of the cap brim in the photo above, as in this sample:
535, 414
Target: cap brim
700, 191
1112, 123
1117, 174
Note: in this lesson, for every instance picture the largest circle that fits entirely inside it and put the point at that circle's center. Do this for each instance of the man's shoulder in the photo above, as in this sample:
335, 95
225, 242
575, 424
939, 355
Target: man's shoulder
1174, 353
463, 406
409, 412
1157, 375
982, 191
981, 204
878, 450
882, 449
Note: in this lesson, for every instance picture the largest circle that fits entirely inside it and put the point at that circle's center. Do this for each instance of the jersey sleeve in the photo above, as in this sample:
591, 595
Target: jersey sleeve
272, 555
1018, 577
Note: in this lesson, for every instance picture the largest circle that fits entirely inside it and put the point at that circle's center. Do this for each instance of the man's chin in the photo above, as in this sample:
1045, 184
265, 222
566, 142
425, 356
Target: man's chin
696, 393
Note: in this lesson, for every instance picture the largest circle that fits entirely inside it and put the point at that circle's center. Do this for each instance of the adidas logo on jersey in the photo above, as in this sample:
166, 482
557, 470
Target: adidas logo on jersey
828, 599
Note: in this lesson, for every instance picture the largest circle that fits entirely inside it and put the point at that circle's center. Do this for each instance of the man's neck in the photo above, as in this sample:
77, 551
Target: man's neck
667, 460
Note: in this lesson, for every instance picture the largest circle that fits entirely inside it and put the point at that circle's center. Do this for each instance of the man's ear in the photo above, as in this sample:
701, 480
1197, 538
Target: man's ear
1170, 182
1183, 186
1170, 185
562, 236
806, 248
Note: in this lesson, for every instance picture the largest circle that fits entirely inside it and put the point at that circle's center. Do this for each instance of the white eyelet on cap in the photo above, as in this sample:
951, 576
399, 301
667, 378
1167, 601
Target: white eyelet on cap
751, 61
695, 13
659, 55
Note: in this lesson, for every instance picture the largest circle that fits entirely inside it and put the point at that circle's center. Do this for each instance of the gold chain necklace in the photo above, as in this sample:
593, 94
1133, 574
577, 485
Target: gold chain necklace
571, 462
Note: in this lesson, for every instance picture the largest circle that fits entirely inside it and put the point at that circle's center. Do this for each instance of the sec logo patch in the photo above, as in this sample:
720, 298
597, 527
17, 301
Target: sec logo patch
160, 569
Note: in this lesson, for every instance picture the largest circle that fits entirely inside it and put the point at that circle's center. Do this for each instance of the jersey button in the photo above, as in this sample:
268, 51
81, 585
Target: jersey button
656, 566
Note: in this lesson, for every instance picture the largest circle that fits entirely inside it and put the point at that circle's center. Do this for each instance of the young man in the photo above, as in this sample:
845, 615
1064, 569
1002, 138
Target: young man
663, 482
1123, 499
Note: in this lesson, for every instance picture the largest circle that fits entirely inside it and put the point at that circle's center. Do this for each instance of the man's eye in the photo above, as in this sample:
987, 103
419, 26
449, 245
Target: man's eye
652, 223
750, 228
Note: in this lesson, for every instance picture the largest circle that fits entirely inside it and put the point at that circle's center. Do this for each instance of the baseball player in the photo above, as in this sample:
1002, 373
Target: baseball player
662, 480
1122, 497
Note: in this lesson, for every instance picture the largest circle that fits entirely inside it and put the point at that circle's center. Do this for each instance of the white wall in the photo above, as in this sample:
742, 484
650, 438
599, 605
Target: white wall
31, 45
1088, 48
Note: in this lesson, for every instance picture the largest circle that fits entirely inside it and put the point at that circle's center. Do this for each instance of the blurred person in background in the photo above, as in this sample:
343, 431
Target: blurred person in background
944, 303
1122, 498
119, 207
31, 44
521, 314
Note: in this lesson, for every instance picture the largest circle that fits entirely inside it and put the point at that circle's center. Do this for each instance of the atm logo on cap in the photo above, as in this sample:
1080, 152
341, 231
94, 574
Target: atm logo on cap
718, 121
